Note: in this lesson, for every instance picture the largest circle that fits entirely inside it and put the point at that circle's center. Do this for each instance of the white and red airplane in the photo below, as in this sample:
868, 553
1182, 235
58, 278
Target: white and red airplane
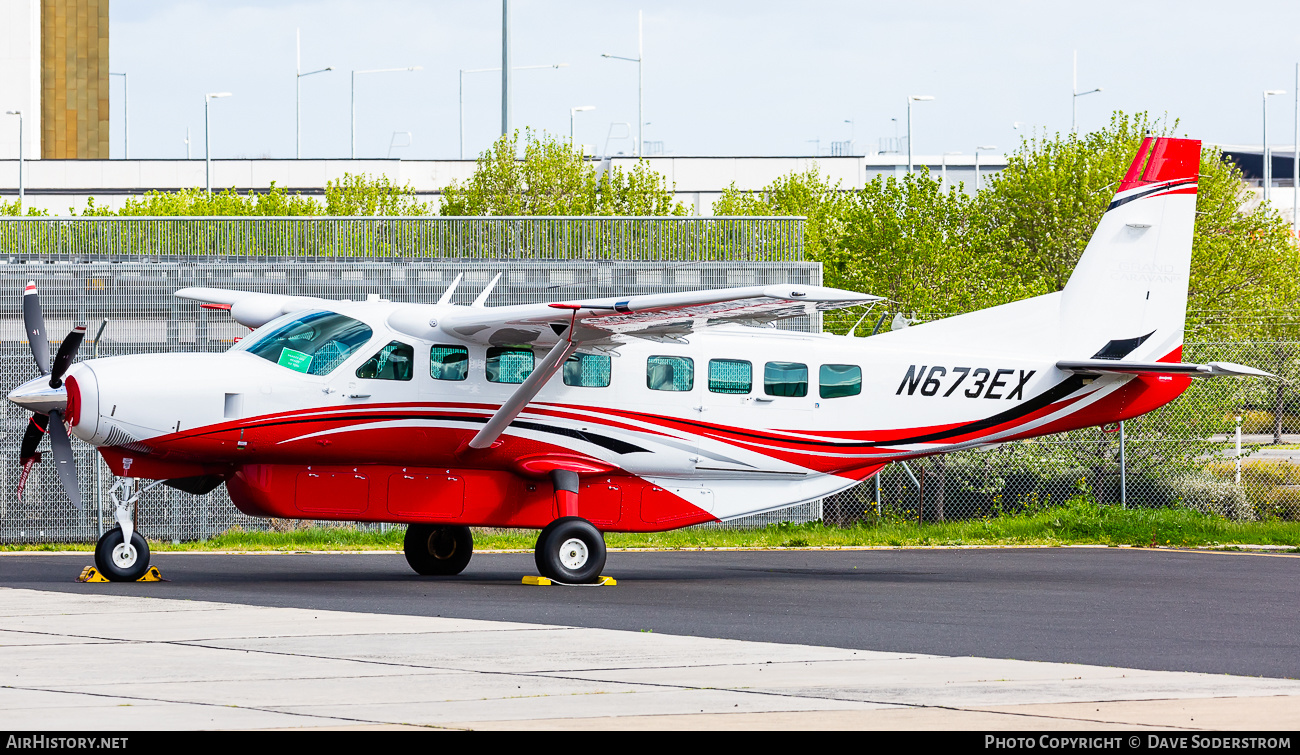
643, 413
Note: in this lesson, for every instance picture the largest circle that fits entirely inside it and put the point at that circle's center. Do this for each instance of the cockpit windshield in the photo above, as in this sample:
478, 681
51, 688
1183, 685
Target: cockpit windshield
314, 343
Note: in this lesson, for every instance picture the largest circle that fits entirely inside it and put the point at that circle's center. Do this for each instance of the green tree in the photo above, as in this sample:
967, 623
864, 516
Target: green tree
14, 208
363, 195
552, 178
1041, 211
808, 194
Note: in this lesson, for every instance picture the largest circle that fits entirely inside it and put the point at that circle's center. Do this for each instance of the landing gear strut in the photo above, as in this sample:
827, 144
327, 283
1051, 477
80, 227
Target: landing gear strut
121, 554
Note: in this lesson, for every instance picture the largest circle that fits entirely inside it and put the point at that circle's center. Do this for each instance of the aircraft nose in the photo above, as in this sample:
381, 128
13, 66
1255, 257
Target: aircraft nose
37, 396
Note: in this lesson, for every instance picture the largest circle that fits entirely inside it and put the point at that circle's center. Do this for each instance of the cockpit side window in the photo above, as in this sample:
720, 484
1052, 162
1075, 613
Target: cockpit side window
393, 362
313, 343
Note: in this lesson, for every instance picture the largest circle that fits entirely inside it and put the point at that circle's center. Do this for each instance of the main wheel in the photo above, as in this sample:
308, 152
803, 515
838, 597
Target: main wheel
120, 561
571, 550
436, 550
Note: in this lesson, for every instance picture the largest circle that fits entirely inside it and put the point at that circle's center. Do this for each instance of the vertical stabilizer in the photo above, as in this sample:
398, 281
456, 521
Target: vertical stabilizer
1127, 297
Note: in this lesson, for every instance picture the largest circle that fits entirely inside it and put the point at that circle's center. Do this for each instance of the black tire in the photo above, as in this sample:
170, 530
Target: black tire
571, 550
122, 568
438, 551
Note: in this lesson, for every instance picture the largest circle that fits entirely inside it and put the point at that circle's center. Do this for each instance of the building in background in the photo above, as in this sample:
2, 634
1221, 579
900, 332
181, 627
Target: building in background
74, 79
697, 181
54, 70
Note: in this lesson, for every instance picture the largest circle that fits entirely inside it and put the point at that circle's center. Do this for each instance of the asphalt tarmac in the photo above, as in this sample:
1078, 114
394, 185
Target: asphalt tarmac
1160, 610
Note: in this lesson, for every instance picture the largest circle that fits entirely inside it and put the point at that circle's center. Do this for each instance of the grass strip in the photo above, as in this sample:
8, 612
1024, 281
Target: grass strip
1079, 522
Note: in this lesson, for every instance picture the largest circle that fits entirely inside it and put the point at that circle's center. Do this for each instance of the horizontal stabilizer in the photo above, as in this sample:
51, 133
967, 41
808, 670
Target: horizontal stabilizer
1213, 369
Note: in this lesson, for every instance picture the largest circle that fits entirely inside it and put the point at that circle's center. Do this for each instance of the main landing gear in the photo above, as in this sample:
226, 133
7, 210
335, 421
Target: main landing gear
121, 554
570, 550
436, 550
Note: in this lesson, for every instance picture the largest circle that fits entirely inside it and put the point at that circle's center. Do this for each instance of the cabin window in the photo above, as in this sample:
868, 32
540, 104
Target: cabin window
785, 379
448, 362
670, 373
587, 370
840, 380
393, 362
508, 364
313, 343
730, 376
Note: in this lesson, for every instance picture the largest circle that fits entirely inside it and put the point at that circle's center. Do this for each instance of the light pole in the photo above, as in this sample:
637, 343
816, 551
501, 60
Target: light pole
207, 137
910, 99
574, 111
639, 60
1074, 101
19, 113
126, 119
1268, 168
1295, 157
981, 148
505, 67
297, 93
461, 96
852, 129
354, 97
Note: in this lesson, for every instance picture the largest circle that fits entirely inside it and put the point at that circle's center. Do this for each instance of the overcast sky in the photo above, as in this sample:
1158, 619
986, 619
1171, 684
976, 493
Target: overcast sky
721, 77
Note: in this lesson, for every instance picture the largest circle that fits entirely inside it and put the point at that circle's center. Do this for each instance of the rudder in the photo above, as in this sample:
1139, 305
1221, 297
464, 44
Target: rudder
1127, 297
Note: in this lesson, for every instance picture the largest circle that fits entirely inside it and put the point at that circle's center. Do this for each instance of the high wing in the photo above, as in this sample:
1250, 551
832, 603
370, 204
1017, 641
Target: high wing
570, 325
1212, 369
657, 317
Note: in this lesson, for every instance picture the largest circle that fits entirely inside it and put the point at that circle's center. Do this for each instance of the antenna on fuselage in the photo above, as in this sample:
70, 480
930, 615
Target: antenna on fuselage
446, 295
482, 297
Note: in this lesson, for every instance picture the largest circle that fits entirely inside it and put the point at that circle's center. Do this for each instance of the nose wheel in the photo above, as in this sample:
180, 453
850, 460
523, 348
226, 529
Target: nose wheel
571, 550
119, 559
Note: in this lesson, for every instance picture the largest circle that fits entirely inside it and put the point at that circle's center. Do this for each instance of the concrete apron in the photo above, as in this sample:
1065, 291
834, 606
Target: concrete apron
70, 661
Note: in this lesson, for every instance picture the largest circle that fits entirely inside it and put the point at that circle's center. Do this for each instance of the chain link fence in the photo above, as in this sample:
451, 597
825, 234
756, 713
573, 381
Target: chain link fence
1184, 454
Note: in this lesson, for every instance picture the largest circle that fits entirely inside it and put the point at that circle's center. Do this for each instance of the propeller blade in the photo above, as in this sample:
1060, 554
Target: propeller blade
32, 438
34, 323
67, 353
63, 458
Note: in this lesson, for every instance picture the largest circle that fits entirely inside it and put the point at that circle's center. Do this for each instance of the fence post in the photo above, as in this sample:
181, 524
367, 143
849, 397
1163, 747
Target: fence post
1123, 468
1238, 457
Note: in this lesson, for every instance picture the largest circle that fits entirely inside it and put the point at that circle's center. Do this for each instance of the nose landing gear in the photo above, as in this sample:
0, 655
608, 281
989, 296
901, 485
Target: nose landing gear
121, 554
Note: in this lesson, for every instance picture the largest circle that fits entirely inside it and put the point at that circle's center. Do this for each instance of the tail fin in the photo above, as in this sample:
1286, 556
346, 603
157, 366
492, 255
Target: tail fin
1127, 297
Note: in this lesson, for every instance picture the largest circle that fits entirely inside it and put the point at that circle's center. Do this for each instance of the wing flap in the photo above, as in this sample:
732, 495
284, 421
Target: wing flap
656, 316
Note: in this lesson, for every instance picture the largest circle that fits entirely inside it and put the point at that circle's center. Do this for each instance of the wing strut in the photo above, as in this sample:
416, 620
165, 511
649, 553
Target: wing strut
524, 393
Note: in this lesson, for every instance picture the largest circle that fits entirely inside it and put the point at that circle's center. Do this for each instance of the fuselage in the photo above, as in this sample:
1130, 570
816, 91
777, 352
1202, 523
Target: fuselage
731, 421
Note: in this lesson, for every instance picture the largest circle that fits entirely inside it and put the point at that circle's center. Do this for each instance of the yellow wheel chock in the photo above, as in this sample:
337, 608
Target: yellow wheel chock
544, 581
91, 574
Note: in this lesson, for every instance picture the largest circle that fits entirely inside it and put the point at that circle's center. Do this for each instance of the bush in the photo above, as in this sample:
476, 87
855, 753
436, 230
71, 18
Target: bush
1206, 493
